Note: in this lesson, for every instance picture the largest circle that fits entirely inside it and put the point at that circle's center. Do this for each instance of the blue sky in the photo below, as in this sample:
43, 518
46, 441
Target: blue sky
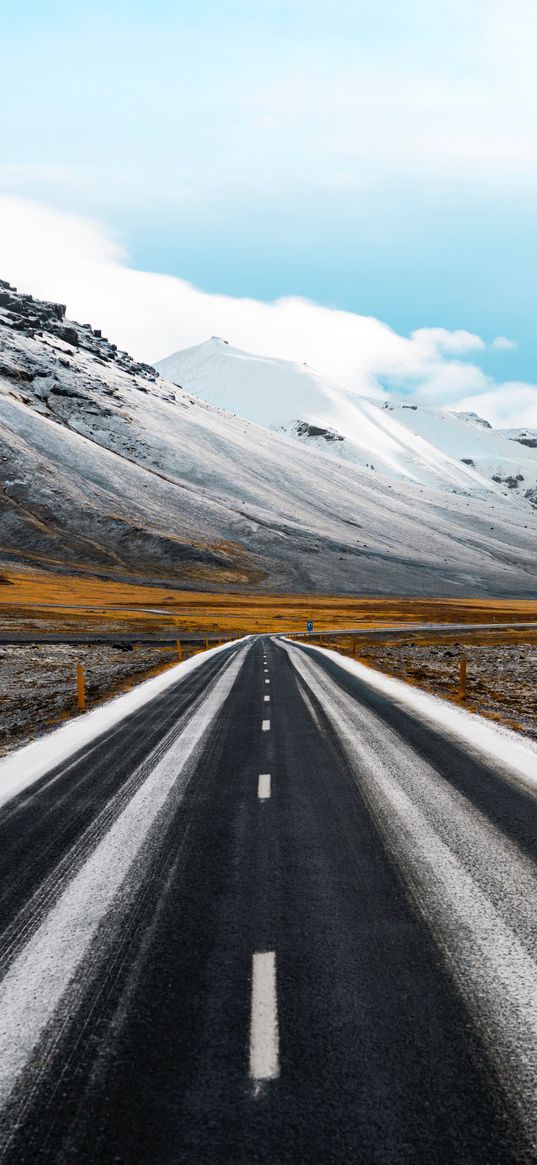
375, 157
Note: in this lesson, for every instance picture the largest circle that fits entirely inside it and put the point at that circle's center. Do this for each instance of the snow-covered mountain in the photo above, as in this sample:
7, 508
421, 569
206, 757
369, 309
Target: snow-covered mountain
260, 388
296, 400
106, 467
526, 437
497, 455
405, 441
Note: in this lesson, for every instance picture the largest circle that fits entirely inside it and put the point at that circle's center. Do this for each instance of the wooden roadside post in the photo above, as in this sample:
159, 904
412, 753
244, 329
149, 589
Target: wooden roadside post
462, 678
80, 688
179, 649
206, 644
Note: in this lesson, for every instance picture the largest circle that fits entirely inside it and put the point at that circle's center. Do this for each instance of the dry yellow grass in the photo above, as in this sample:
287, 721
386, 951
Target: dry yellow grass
508, 704
71, 602
38, 687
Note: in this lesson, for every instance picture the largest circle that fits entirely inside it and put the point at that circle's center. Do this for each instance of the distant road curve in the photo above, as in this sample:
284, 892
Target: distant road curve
11, 638
405, 629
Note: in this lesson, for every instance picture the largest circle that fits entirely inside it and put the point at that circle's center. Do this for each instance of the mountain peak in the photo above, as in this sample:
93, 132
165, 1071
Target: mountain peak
108, 469
403, 440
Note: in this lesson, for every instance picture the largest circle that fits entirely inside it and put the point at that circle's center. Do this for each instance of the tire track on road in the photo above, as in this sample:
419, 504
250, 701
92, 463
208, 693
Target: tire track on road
37, 978
481, 912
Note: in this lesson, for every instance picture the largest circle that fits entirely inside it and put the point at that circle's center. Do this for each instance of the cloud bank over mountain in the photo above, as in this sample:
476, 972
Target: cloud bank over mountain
61, 256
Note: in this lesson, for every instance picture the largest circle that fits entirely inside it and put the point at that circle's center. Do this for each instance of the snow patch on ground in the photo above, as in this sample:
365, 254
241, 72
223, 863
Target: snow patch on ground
493, 454
26, 765
490, 740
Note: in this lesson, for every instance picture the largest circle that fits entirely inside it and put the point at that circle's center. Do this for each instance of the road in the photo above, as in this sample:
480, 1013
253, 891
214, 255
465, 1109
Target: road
419, 630
272, 917
397, 631
96, 638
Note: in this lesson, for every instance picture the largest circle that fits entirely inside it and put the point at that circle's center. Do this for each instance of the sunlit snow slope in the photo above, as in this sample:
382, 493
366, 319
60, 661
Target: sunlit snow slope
297, 400
500, 456
108, 468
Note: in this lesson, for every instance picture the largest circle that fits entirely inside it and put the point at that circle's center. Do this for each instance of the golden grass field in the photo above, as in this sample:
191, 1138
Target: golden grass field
30, 598
39, 689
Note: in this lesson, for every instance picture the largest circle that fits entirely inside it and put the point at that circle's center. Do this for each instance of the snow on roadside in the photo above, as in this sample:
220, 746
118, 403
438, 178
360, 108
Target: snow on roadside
27, 764
489, 740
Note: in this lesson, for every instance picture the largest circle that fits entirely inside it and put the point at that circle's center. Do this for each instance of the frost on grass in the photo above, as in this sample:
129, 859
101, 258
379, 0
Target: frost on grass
500, 677
38, 683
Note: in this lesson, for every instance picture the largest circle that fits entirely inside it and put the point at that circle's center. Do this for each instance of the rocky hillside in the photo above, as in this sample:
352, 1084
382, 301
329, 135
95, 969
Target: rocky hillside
108, 468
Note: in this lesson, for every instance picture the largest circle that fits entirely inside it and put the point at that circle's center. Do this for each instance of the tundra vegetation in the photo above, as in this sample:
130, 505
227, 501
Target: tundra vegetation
38, 680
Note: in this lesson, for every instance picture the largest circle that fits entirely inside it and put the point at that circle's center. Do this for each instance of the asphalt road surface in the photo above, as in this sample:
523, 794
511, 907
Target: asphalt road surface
411, 630
269, 918
397, 631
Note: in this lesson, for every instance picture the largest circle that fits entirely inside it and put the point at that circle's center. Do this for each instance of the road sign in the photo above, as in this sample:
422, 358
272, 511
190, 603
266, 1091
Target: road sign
309, 626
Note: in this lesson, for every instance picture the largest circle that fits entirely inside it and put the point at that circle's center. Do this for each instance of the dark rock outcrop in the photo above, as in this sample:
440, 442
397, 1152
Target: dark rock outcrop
23, 313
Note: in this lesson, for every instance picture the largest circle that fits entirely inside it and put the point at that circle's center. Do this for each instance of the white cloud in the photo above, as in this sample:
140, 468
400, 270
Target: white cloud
509, 405
467, 115
77, 261
503, 343
12, 174
456, 343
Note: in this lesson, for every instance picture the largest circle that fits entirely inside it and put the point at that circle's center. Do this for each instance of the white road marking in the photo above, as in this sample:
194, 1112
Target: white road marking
267, 681
264, 1044
266, 699
46, 967
474, 887
265, 725
263, 787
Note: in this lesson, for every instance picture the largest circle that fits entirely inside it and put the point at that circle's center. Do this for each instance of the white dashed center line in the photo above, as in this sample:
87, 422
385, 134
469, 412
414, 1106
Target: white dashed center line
265, 725
266, 699
264, 1049
267, 681
263, 787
